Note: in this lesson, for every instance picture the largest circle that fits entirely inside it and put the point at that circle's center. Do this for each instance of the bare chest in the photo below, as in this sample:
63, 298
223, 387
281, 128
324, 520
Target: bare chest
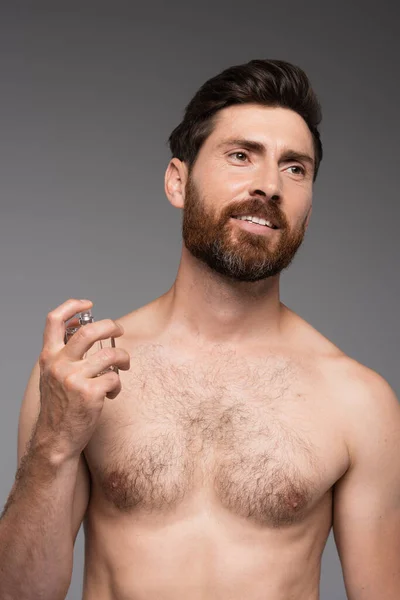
252, 433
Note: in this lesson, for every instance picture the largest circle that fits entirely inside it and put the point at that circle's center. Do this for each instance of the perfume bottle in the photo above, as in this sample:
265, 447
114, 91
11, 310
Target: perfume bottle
85, 318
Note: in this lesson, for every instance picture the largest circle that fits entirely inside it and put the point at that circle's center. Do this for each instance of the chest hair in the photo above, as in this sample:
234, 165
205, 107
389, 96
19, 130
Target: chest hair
237, 427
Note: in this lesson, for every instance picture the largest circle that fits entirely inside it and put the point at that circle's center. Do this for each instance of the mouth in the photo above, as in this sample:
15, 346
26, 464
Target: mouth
256, 221
255, 227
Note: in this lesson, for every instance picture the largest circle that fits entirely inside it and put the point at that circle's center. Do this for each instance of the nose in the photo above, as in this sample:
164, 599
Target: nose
267, 183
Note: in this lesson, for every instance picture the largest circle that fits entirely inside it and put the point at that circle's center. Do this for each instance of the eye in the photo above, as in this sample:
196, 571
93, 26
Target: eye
241, 156
300, 170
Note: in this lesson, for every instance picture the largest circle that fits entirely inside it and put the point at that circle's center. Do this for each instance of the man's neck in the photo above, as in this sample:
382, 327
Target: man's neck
216, 309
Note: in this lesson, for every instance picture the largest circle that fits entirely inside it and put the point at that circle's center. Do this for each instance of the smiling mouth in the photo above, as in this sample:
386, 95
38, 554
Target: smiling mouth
256, 221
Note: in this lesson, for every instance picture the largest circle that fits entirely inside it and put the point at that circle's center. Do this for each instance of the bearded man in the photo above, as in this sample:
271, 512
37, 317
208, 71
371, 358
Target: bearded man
213, 466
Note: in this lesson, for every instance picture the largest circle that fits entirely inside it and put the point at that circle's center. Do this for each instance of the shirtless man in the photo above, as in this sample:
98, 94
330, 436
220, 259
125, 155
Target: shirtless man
214, 465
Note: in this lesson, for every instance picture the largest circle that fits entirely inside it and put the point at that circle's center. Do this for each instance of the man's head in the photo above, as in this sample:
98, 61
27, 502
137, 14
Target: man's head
248, 146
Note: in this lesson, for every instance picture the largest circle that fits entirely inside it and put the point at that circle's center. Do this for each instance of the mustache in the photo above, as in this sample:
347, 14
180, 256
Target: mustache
263, 209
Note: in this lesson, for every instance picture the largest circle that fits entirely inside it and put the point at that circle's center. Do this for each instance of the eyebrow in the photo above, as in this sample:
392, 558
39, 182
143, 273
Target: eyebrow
257, 147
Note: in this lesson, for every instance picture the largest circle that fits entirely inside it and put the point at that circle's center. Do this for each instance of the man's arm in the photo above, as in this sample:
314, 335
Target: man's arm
366, 520
43, 513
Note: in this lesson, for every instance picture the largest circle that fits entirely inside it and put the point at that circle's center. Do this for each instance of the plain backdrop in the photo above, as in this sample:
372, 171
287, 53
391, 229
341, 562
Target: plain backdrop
89, 92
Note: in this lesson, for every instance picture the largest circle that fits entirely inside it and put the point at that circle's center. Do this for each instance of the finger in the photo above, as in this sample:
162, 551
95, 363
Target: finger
73, 322
114, 393
71, 327
87, 335
108, 385
104, 359
54, 331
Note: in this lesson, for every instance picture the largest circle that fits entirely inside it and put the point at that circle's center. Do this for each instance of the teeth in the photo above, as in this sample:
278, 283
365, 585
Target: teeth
256, 220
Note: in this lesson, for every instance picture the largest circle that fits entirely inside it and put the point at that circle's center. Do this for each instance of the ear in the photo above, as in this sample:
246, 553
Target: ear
175, 182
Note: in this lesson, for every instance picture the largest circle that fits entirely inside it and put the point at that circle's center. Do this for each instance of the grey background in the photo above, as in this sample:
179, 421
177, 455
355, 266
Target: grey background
89, 93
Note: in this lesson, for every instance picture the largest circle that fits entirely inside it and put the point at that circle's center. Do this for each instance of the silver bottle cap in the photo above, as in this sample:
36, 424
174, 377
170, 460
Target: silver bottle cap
86, 317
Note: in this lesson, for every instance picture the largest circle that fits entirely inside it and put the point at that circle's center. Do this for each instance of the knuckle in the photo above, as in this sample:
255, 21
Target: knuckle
115, 378
113, 393
85, 332
114, 382
116, 389
70, 381
44, 358
108, 354
112, 379
87, 390
55, 370
51, 318
102, 387
110, 324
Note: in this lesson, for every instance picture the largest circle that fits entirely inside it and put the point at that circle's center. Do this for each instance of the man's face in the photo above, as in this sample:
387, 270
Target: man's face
247, 168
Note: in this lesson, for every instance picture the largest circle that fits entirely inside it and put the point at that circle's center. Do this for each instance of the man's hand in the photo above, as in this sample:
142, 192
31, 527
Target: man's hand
72, 393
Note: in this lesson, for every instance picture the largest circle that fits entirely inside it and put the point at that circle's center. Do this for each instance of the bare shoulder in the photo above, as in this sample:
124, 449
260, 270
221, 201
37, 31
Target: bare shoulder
143, 323
370, 408
365, 402
364, 391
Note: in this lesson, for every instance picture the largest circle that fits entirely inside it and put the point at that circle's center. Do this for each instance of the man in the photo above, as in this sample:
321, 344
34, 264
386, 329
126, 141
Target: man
214, 465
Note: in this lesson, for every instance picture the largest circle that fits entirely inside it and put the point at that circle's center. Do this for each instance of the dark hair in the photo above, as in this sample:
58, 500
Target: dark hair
274, 83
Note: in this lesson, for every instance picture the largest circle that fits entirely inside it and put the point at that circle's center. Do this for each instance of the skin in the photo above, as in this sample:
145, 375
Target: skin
240, 434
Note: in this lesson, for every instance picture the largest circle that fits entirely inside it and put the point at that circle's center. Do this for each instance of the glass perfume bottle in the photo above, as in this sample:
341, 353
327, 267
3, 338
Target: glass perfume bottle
85, 318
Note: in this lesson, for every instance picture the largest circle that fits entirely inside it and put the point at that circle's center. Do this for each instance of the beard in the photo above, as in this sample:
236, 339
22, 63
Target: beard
242, 256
